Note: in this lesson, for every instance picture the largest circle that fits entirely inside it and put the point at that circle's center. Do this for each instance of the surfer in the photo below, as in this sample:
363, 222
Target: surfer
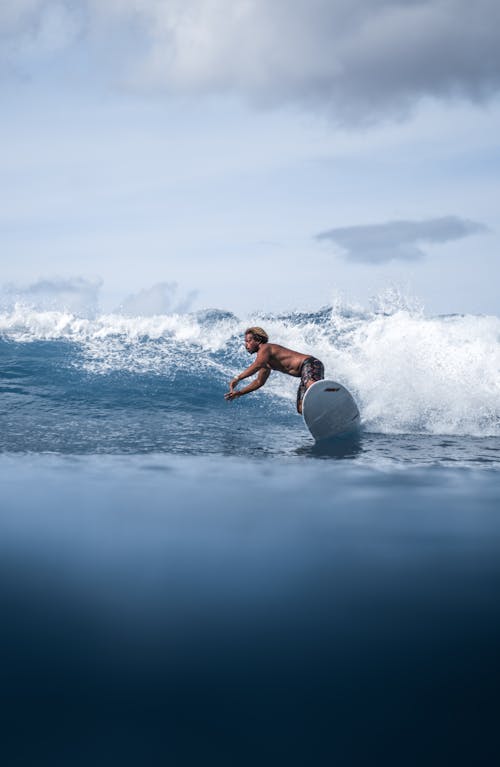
275, 357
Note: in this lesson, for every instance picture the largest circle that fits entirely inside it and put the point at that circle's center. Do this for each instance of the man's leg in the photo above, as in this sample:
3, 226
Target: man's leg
313, 371
300, 396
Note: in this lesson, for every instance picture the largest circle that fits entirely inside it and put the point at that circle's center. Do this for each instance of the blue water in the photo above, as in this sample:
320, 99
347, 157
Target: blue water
188, 580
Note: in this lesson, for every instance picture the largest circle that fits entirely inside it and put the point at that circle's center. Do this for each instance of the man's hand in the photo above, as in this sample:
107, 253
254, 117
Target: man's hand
232, 394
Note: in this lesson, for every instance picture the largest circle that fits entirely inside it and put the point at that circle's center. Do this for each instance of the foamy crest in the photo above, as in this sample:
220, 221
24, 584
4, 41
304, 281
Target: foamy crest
159, 344
24, 324
439, 376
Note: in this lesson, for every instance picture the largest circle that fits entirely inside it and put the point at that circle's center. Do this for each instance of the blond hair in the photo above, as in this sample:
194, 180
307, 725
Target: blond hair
259, 334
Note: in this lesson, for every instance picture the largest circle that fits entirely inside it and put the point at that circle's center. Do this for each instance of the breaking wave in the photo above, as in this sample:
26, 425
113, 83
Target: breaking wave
409, 373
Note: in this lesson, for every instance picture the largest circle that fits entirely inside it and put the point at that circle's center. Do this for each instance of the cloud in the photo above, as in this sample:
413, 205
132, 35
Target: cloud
359, 60
398, 240
30, 29
76, 295
161, 298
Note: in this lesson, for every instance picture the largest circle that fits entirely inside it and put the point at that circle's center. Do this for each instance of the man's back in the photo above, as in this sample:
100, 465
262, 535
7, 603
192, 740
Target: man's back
282, 359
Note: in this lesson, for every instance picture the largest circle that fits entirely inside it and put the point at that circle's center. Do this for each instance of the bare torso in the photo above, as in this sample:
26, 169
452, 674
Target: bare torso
276, 357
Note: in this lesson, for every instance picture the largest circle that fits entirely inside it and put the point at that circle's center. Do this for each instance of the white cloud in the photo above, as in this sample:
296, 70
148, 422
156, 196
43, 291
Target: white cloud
161, 298
77, 295
398, 240
359, 60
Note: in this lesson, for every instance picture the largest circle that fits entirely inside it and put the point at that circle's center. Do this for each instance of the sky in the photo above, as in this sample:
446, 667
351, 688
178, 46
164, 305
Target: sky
249, 155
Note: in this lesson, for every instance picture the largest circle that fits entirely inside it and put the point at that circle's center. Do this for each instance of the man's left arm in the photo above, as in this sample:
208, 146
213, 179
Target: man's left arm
261, 379
261, 363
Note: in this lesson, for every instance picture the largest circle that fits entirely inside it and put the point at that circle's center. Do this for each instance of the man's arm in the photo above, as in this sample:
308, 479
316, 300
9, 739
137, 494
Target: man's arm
261, 379
261, 362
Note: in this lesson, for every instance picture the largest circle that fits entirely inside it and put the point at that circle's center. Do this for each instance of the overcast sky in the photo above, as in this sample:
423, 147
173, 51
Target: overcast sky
249, 154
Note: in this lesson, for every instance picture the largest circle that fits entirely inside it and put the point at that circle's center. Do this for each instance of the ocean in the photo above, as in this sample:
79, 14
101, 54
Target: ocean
194, 581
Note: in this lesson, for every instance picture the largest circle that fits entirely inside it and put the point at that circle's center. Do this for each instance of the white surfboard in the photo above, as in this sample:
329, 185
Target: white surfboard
329, 410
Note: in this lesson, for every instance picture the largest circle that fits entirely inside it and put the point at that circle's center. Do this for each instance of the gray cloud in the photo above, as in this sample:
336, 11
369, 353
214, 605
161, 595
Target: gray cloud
33, 28
398, 240
360, 60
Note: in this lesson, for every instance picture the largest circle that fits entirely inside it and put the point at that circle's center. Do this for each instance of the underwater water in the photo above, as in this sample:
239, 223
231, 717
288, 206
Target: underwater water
193, 580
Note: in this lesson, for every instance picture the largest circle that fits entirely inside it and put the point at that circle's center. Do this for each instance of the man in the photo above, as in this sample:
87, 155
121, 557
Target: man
275, 357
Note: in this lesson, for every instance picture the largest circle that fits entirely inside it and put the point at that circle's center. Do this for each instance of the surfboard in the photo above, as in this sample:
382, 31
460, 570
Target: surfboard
329, 410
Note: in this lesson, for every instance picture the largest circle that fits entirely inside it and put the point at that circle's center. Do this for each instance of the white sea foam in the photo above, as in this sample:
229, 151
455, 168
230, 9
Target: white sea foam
25, 324
409, 372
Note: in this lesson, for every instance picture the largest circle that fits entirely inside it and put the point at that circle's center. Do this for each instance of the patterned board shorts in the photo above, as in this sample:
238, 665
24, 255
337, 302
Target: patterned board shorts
310, 370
